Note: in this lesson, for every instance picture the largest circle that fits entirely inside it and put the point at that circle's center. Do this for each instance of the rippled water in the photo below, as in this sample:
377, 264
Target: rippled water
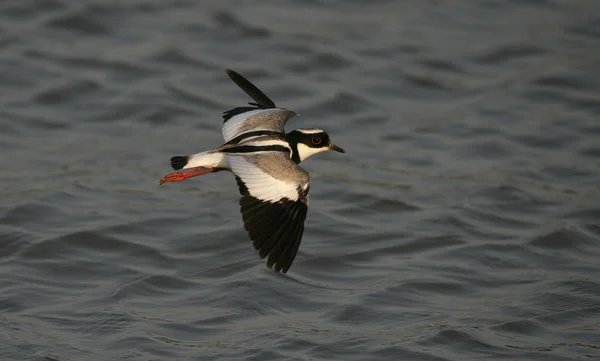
462, 224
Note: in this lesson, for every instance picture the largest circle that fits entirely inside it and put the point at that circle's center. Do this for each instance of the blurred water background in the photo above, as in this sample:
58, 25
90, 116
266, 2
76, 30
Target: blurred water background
463, 223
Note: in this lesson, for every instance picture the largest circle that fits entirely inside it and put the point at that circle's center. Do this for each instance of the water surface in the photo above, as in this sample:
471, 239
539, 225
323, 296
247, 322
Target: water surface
461, 224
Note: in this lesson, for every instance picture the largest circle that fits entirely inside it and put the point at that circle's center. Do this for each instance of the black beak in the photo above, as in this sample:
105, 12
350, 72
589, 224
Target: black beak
336, 148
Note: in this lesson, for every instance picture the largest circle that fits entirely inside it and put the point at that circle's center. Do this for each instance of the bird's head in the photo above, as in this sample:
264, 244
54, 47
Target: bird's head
309, 141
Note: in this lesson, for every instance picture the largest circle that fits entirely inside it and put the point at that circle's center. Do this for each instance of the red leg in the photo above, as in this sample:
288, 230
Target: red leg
189, 173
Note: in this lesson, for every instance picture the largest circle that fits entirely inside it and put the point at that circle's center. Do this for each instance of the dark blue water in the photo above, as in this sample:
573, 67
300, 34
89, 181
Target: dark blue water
463, 223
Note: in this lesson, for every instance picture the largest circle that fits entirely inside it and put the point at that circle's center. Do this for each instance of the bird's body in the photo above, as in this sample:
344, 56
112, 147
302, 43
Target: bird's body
264, 160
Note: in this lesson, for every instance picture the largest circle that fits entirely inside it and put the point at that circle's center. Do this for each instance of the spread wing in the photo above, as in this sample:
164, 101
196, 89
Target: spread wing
262, 117
274, 203
261, 99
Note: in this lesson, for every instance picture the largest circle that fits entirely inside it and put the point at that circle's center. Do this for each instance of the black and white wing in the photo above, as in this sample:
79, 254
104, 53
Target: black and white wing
274, 202
261, 118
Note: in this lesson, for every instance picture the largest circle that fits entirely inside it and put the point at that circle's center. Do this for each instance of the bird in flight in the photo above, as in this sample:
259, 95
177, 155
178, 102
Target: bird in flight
264, 160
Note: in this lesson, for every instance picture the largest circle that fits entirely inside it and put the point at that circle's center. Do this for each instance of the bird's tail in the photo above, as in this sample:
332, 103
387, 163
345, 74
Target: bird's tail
203, 159
179, 161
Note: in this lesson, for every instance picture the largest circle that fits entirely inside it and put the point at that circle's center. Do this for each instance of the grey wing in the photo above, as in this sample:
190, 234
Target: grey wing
274, 204
240, 121
260, 116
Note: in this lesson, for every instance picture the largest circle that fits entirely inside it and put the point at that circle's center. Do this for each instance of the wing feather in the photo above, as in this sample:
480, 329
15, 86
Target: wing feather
295, 227
255, 119
253, 92
270, 240
274, 205
261, 116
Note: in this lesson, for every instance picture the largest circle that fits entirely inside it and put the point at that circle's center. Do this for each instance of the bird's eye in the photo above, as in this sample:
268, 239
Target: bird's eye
316, 140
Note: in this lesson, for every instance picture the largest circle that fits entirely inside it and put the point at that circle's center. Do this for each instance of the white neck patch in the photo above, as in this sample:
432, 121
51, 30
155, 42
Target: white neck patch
304, 151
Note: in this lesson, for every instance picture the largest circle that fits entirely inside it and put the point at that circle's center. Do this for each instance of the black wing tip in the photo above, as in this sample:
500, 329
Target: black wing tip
282, 256
178, 162
252, 90
275, 228
234, 75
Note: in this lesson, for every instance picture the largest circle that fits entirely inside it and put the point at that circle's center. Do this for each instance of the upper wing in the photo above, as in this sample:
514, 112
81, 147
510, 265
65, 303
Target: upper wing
267, 121
259, 97
274, 203
260, 116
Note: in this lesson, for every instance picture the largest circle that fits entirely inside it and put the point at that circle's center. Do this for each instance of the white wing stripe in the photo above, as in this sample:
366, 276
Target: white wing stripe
264, 141
260, 184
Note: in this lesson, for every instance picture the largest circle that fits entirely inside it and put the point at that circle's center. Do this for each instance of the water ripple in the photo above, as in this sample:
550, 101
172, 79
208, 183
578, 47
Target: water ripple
462, 224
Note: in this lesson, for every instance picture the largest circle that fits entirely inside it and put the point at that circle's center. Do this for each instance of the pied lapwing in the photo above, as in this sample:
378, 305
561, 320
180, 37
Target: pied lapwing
264, 160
